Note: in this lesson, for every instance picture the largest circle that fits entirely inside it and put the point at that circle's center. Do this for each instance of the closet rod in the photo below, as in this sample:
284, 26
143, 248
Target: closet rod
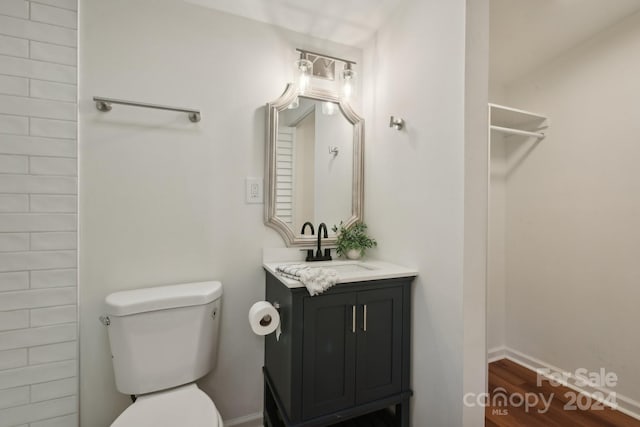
104, 105
511, 131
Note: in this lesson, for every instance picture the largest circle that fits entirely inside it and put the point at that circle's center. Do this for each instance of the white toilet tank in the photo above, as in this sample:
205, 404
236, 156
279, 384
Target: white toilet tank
164, 336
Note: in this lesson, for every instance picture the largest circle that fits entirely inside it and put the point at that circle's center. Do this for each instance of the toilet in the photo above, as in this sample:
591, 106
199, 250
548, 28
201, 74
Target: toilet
162, 340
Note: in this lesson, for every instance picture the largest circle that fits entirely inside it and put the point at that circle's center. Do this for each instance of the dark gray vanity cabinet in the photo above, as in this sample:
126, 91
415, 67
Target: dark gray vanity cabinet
341, 355
328, 354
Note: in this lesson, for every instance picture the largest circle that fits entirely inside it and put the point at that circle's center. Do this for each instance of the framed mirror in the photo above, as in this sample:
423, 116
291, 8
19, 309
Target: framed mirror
314, 164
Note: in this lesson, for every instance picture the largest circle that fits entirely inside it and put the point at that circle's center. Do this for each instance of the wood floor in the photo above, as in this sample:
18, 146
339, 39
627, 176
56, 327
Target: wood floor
517, 380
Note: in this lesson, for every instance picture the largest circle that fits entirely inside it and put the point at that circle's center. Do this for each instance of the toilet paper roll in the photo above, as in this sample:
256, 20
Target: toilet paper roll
263, 318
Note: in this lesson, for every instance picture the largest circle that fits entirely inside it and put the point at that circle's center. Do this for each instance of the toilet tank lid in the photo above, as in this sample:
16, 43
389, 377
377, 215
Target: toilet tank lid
162, 298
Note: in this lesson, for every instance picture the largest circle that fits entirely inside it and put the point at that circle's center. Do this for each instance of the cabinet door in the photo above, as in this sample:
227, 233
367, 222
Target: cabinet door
379, 344
328, 361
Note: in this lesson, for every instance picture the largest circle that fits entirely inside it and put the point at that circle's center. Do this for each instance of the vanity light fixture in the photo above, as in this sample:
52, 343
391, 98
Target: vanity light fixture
321, 66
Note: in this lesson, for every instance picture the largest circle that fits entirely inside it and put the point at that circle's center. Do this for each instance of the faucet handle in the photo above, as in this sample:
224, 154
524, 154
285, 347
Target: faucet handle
310, 256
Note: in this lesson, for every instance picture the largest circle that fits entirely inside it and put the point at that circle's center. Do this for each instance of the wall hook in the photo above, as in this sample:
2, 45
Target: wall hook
396, 122
333, 150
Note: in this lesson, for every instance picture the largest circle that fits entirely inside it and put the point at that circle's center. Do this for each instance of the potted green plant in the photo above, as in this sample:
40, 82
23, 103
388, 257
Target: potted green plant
353, 241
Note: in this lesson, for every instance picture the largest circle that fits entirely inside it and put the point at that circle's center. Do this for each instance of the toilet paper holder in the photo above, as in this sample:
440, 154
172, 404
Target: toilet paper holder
267, 319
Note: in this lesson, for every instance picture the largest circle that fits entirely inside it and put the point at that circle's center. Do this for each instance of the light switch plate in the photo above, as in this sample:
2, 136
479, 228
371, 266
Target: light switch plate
254, 192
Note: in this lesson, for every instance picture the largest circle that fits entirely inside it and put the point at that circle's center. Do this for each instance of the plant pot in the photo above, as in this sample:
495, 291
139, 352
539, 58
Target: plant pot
353, 254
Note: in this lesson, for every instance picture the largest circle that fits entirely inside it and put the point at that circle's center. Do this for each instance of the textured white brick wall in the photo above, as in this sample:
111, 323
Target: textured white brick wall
38, 214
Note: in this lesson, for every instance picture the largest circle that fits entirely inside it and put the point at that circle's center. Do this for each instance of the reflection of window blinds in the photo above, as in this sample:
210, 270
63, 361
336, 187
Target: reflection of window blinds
284, 173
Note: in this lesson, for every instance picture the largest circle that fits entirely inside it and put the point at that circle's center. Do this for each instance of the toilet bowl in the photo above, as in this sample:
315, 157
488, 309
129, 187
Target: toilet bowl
162, 340
185, 406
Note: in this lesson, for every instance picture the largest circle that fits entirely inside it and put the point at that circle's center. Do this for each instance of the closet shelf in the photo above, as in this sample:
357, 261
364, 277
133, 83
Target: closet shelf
513, 121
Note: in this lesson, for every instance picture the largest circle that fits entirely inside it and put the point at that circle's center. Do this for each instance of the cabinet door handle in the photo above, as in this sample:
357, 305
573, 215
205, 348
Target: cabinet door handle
365, 318
353, 319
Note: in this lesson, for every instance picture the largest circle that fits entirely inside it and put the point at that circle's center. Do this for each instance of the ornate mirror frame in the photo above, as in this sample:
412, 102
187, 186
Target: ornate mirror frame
291, 237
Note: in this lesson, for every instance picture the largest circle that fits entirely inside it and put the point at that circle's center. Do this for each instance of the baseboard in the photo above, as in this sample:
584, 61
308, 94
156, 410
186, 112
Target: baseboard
624, 404
251, 420
496, 353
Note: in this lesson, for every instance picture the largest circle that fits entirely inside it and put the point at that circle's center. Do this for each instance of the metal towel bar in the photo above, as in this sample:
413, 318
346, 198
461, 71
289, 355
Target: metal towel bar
104, 105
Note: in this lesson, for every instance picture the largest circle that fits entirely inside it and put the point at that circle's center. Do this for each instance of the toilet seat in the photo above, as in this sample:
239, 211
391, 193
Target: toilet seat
185, 406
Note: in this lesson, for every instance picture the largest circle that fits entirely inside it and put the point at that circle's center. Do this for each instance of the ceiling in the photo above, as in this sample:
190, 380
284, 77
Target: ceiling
350, 22
525, 34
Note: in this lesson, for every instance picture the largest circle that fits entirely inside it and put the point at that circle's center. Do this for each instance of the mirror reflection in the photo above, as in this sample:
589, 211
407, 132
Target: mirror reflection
314, 164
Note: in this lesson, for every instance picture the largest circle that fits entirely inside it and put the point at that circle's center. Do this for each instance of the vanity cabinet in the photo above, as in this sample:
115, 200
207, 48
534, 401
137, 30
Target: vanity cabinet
340, 355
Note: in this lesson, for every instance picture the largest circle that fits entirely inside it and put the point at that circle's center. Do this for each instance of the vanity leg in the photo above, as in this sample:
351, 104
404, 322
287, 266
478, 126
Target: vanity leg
270, 414
265, 405
402, 413
269, 406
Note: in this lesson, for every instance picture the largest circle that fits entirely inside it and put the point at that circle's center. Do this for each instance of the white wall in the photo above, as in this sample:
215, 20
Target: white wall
162, 199
496, 265
415, 192
476, 171
38, 186
573, 212
496, 259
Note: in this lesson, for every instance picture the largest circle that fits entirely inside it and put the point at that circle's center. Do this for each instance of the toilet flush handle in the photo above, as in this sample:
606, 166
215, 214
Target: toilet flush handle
105, 320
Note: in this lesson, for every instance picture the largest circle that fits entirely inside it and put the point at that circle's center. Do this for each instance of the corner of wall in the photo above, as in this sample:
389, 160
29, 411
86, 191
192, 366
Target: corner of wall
475, 206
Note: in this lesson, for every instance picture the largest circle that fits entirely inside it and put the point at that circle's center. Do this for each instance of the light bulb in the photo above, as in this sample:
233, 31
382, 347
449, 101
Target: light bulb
304, 66
347, 90
303, 83
348, 76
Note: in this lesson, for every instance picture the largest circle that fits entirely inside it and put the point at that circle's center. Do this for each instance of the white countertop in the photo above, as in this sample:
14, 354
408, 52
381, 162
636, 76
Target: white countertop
348, 271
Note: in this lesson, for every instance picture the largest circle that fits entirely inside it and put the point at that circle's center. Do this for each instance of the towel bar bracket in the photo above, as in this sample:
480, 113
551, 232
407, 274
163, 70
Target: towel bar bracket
103, 106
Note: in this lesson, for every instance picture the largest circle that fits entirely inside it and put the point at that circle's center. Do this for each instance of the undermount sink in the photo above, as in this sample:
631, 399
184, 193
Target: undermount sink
343, 267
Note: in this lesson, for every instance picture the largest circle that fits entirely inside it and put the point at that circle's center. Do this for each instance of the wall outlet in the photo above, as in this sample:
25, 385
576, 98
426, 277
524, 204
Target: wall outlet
254, 191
